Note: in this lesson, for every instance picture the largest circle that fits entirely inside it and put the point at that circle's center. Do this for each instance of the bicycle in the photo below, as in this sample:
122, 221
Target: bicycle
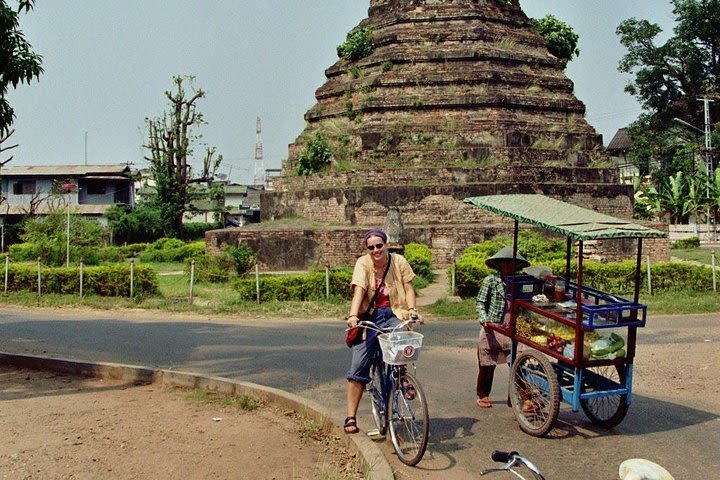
513, 460
630, 469
393, 389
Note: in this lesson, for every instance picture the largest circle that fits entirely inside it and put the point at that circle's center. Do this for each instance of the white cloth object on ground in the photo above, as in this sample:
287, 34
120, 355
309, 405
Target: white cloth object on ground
641, 469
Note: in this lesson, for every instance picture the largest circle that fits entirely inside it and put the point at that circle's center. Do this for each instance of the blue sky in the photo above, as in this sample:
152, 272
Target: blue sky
108, 62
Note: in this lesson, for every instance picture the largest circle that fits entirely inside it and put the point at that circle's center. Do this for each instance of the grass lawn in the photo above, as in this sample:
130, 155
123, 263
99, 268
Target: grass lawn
702, 255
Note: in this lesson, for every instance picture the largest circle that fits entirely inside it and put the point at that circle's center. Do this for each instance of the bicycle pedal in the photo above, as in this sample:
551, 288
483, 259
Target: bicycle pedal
375, 434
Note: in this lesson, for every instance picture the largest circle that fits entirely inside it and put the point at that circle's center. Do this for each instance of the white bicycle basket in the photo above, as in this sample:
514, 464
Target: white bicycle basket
399, 348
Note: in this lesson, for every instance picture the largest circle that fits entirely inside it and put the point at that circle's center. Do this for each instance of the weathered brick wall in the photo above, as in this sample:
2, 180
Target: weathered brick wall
288, 249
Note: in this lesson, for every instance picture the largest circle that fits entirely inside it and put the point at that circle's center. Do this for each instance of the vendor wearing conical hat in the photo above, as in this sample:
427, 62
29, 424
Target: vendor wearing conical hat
493, 348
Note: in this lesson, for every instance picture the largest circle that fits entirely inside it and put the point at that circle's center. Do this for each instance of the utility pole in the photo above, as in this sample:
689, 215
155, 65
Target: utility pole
709, 166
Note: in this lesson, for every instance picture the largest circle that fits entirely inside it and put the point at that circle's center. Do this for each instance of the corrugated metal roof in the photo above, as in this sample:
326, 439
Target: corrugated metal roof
570, 220
621, 141
64, 170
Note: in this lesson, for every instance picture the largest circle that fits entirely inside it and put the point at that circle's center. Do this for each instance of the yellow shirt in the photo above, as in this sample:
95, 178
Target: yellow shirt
400, 272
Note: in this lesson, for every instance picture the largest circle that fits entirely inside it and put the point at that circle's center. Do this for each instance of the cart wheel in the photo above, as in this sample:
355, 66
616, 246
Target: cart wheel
605, 412
534, 393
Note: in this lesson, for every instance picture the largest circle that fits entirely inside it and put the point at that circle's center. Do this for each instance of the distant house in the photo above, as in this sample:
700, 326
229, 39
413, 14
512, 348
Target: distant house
242, 205
618, 149
89, 189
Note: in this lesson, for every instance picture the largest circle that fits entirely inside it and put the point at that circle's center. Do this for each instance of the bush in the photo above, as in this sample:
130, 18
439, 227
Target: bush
118, 254
172, 250
420, 258
53, 254
301, 287
243, 258
316, 155
357, 45
686, 243
108, 281
196, 230
213, 268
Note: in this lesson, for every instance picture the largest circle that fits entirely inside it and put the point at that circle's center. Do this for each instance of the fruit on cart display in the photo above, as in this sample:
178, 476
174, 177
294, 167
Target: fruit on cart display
540, 340
556, 343
609, 347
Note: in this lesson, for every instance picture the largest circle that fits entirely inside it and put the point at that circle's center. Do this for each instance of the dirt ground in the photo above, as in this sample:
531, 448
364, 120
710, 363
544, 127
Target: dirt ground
64, 427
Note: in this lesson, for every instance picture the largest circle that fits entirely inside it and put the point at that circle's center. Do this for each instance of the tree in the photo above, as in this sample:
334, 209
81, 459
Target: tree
18, 63
669, 78
170, 144
562, 39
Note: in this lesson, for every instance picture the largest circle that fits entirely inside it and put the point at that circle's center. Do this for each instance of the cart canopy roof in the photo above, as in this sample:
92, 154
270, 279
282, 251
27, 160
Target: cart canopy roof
570, 220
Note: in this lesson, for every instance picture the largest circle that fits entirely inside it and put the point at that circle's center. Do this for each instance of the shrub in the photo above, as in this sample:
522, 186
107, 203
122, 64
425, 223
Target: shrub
686, 243
213, 268
243, 258
172, 250
118, 254
300, 287
196, 230
420, 258
316, 156
108, 281
357, 45
53, 254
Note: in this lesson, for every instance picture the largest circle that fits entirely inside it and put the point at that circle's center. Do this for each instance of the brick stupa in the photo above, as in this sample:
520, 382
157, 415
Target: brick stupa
458, 98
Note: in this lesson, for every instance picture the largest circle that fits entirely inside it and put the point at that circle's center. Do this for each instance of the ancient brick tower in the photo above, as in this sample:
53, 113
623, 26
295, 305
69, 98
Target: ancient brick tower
458, 98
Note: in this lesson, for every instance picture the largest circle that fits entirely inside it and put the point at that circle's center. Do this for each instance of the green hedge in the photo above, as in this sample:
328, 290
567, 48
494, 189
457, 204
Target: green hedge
686, 243
53, 254
171, 250
419, 257
213, 268
300, 287
107, 281
115, 254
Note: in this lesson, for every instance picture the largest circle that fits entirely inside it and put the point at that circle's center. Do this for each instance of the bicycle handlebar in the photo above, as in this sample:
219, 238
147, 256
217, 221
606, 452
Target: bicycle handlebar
372, 326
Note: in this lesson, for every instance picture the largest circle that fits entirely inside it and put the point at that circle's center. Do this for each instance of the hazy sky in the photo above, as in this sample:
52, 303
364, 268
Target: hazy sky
108, 62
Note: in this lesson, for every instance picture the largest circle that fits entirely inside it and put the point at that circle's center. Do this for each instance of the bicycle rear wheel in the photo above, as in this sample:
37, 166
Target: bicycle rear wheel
534, 393
410, 421
374, 389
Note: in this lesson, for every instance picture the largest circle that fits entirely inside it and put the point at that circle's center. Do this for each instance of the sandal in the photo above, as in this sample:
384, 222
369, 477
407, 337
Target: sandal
409, 389
484, 402
531, 407
350, 426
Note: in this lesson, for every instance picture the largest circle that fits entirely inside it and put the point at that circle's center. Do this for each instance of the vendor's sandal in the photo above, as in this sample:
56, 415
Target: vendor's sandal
351, 425
531, 407
484, 403
409, 389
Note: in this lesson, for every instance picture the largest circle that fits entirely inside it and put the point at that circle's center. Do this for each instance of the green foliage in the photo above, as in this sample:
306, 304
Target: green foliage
210, 267
118, 254
84, 232
316, 156
108, 281
196, 230
143, 223
387, 65
19, 63
243, 258
301, 287
419, 257
358, 44
171, 250
53, 254
686, 243
562, 39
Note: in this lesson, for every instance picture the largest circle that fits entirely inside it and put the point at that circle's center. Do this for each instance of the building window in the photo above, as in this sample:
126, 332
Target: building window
26, 187
96, 188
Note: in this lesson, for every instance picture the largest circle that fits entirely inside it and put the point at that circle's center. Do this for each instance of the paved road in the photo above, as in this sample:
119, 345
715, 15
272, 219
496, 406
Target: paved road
674, 420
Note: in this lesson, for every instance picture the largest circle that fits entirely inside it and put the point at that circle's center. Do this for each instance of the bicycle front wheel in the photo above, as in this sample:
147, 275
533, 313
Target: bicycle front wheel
377, 406
410, 421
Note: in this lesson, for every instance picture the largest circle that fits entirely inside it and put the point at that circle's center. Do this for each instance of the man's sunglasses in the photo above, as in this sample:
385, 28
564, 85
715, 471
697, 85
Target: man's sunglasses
375, 247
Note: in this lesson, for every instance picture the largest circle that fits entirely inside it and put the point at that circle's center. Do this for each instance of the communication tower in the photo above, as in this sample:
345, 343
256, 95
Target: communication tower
259, 178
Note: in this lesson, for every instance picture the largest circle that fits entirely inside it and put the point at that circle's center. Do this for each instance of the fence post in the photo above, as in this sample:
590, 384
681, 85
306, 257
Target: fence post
712, 261
81, 279
132, 277
257, 283
452, 279
649, 276
39, 287
192, 280
7, 271
327, 281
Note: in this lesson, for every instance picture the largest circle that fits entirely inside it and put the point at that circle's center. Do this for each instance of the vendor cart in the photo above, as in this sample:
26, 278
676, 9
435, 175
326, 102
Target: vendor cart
546, 326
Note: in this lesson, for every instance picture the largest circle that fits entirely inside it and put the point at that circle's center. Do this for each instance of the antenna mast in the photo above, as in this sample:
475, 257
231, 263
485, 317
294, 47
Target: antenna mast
259, 178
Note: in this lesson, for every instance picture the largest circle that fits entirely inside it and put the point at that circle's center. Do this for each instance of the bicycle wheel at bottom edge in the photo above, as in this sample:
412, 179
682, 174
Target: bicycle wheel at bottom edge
534, 393
376, 405
410, 421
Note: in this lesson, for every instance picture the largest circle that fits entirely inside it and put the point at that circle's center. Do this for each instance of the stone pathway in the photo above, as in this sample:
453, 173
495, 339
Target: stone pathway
435, 291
